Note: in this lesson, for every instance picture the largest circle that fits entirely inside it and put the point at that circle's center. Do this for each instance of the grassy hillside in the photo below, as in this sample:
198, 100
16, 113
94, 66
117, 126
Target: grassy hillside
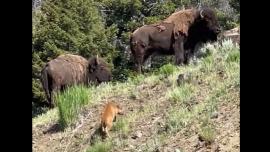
200, 113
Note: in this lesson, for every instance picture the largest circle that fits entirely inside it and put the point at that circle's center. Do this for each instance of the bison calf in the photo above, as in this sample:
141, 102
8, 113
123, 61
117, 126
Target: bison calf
108, 116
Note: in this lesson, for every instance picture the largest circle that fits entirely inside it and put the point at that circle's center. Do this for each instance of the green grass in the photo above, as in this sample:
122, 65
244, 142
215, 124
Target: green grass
100, 147
207, 134
213, 90
45, 118
190, 105
70, 104
121, 126
136, 79
181, 94
178, 119
167, 69
233, 56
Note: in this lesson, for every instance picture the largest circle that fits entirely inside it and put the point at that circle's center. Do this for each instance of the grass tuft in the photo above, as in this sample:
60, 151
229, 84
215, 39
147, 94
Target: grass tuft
121, 126
70, 103
100, 147
181, 94
167, 69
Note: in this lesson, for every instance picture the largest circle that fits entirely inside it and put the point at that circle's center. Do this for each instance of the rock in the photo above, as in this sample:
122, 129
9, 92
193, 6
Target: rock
215, 148
214, 115
138, 134
131, 147
133, 96
177, 150
183, 78
233, 34
157, 150
167, 149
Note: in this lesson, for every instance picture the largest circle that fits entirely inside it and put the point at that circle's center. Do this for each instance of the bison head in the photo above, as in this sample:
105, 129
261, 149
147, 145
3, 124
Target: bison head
208, 17
98, 70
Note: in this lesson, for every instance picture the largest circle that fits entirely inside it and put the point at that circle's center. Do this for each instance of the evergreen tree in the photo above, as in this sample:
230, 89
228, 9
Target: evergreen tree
90, 27
68, 26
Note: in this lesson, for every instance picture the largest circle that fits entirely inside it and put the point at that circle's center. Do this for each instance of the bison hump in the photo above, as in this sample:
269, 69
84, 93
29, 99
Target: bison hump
182, 20
68, 66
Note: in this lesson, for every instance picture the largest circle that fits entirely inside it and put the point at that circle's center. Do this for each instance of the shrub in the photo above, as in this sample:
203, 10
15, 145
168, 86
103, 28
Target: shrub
70, 103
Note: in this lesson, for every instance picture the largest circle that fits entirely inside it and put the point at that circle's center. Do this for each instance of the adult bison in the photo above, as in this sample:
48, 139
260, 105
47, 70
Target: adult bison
178, 34
68, 69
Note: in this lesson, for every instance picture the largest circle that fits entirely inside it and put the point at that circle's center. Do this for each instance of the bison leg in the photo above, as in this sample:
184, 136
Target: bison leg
179, 50
55, 88
139, 60
50, 100
139, 65
186, 56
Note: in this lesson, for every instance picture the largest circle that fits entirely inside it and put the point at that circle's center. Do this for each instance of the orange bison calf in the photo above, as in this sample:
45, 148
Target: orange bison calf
108, 116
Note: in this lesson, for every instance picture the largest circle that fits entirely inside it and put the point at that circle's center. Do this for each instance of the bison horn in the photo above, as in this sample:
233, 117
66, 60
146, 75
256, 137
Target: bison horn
201, 13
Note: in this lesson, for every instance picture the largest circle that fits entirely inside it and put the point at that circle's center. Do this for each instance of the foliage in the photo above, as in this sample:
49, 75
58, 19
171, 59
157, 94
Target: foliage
70, 104
73, 26
167, 69
196, 112
103, 27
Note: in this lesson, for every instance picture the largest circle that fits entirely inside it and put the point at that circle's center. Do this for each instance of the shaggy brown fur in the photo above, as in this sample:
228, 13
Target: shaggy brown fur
77, 64
160, 27
182, 20
99, 70
178, 35
68, 69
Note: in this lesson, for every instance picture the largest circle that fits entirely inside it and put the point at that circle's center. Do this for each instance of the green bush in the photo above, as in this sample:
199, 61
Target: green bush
181, 94
93, 27
167, 69
226, 21
74, 26
207, 134
70, 104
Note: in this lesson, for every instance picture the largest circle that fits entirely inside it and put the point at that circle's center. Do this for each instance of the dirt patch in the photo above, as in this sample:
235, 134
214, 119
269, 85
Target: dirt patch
227, 139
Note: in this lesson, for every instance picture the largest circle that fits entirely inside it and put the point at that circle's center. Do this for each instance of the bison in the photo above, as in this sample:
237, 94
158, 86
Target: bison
68, 69
178, 34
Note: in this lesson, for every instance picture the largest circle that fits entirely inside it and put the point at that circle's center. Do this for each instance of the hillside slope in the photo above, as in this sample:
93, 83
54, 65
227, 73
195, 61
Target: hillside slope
201, 113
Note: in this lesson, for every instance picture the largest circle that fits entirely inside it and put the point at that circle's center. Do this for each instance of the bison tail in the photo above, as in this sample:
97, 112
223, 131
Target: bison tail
131, 44
45, 83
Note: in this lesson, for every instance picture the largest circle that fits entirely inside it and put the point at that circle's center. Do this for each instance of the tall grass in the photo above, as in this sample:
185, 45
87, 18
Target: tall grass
181, 94
70, 103
167, 69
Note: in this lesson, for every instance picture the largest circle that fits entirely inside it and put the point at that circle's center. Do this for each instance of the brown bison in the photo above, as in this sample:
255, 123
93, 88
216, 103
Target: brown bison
178, 35
68, 69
